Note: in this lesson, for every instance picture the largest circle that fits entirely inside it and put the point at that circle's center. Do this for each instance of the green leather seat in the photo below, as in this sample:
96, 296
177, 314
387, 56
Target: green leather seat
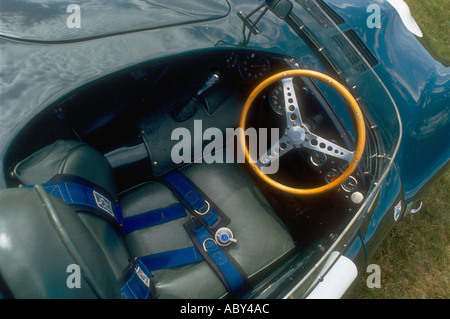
262, 240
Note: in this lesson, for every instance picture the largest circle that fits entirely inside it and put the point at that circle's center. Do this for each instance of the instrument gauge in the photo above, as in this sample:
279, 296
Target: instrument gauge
318, 158
331, 176
350, 185
253, 67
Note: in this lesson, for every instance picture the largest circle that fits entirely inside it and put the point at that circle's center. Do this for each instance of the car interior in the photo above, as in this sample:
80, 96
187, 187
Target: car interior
197, 229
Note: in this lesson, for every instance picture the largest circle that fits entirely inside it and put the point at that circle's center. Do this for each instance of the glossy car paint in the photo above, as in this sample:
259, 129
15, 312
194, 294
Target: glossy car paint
419, 84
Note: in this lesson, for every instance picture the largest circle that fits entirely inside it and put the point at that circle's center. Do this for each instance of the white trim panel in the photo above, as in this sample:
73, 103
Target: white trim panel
337, 280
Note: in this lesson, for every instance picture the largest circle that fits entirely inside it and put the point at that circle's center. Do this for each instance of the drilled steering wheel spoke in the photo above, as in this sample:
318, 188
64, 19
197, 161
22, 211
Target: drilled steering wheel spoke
293, 116
281, 147
322, 145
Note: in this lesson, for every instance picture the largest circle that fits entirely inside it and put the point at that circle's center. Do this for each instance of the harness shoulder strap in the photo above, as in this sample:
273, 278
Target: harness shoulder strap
84, 196
88, 197
196, 201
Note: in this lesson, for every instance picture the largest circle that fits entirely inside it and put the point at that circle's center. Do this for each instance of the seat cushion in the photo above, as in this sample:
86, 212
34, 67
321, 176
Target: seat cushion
262, 239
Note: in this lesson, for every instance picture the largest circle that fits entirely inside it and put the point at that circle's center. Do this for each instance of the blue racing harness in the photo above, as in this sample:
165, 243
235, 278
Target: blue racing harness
207, 219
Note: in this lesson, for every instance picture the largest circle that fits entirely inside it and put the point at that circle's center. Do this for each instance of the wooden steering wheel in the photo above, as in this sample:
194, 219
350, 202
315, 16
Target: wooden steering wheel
298, 135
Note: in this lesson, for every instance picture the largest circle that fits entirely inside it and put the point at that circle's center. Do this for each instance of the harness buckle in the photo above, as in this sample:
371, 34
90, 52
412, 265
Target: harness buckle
224, 236
207, 239
207, 210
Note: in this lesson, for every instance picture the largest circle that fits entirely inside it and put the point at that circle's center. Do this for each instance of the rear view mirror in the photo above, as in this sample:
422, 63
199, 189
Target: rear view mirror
281, 8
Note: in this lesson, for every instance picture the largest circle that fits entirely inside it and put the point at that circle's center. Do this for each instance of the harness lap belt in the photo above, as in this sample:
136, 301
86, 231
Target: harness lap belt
135, 282
152, 218
229, 271
205, 248
172, 258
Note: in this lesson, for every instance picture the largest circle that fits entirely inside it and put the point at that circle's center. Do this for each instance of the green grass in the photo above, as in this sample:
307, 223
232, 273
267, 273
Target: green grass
415, 258
433, 18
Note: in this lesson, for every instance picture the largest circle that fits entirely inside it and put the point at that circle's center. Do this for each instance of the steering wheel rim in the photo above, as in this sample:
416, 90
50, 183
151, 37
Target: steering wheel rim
353, 110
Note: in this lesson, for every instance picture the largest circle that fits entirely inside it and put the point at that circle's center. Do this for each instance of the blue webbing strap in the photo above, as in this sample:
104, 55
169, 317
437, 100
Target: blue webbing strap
227, 269
208, 219
193, 199
84, 195
172, 258
206, 248
135, 282
152, 218
77, 194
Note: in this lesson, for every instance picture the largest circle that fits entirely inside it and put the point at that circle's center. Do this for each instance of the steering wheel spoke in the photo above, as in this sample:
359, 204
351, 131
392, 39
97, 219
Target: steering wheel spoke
320, 144
293, 116
281, 147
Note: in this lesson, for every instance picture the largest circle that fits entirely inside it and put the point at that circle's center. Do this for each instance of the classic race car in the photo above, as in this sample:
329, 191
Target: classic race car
210, 148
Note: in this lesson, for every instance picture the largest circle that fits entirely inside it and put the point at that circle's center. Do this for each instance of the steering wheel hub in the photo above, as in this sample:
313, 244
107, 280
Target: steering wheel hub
296, 135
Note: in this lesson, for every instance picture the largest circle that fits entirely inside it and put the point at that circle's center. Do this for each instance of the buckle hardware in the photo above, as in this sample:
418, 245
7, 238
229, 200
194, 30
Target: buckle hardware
207, 239
207, 210
224, 236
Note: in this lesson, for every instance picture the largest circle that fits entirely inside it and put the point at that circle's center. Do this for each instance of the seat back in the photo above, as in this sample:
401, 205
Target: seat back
66, 157
105, 256
47, 251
